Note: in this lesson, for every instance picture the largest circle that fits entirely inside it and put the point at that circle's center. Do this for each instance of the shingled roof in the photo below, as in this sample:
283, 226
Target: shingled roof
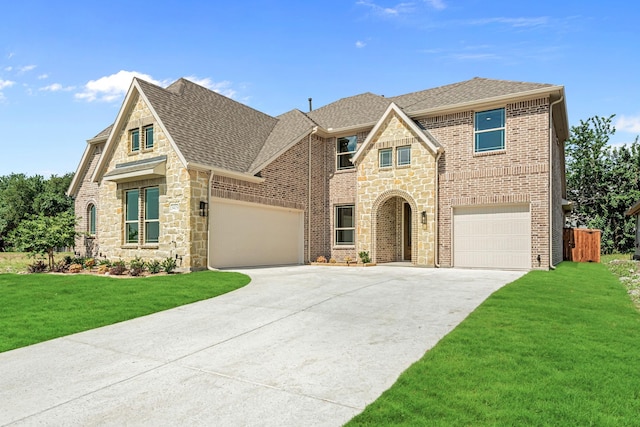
212, 130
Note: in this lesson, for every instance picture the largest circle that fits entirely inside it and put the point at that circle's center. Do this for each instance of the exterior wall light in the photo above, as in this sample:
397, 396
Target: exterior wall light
423, 217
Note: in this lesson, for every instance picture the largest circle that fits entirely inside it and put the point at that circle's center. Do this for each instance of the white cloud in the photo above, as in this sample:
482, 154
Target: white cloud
111, 88
43, 76
628, 124
397, 10
223, 87
436, 4
26, 68
8, 69
56, 87
513, 22
6, 83
360, 44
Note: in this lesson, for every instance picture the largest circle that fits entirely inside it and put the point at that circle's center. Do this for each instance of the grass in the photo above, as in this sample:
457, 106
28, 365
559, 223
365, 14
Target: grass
39, 307
552, 348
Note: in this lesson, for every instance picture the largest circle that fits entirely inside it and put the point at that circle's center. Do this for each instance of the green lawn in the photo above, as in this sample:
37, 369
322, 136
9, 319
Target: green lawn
559, 348
38, 307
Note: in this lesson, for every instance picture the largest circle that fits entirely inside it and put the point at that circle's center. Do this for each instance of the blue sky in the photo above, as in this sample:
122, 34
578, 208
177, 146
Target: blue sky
65, 66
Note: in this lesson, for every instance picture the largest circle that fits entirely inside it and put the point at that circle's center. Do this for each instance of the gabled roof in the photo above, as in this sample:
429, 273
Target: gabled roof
423, 135
84, 161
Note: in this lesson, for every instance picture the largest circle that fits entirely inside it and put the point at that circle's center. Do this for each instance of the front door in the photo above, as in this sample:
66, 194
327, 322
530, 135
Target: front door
406, 231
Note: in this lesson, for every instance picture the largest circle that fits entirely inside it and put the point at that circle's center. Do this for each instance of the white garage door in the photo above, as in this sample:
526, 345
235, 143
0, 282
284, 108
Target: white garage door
248, 234
492, 237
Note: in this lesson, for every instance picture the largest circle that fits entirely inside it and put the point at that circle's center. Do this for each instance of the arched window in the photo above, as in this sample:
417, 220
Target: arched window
91, 224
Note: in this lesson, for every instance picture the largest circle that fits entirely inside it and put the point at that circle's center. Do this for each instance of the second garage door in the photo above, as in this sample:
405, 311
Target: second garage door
249, 234
492, 237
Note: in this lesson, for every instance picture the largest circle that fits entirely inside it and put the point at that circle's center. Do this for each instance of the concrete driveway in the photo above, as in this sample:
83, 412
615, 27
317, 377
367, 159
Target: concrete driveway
297, 346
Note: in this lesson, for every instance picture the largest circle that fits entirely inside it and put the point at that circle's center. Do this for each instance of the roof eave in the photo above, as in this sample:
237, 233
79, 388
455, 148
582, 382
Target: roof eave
226, 172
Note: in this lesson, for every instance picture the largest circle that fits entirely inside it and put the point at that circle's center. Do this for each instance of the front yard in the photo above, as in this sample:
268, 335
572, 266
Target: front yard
552, 348
39, 307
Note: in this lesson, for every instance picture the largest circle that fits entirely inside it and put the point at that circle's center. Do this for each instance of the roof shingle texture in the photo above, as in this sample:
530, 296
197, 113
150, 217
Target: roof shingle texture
211, 129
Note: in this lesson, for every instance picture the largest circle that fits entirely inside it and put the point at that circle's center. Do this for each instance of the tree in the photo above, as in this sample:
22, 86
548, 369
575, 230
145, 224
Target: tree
603, 182
42, 234
22, 197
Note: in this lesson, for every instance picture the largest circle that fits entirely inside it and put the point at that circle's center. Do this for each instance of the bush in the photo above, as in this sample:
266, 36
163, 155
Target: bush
90, 262
348, 259
75, 268
154, 266
332, 260
104, 262
118, 268
321, 259
168, 265
103, 269
136, 266
37, 267
364, 257
60, 266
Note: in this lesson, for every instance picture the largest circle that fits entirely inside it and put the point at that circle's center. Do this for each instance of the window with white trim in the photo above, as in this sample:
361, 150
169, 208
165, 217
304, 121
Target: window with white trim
344, 226
403, 155
345, 149
489, 130
142, 225
385, 157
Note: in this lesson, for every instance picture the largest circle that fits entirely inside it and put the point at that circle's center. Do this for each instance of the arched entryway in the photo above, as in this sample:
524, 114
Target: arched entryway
394, 226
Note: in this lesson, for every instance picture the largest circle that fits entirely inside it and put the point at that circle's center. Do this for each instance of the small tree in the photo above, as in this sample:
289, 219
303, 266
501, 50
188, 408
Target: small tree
43, 234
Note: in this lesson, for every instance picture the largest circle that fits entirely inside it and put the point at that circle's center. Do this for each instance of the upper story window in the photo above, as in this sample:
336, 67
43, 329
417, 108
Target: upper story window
345, 227
489, 130
345, 149
134, 139
148, 137
404, 155
385, 156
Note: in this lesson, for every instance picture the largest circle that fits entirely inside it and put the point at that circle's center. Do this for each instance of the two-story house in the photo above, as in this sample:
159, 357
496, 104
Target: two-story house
464, 175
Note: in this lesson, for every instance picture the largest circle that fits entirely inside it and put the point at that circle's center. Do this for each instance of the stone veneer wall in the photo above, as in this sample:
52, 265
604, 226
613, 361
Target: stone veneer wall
176, 204
414, 184
518, 174
88, 193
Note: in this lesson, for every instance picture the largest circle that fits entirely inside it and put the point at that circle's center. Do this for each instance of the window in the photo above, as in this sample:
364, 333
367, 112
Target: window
148, 137
147, 221
404, 155
386, 157
134, 136
131, 216
91, 214
151, 215
345, 225
489, 130
346, 147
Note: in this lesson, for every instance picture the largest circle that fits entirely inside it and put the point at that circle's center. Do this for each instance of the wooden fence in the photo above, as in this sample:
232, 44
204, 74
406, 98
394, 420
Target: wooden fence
581, 245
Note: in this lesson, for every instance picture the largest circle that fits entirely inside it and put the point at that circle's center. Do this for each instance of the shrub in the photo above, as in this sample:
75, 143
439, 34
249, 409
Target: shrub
154, 266
332, 260
136, 266
37, 267
103, 269
168, 265
321, 259
104, 262
76, 260
90, 262
348, 259
117, 268
75, 268
364, 257
60, 266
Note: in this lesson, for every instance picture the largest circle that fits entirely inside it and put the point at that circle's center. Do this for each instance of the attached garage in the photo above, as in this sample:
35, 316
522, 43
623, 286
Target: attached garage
492, 237
250, 234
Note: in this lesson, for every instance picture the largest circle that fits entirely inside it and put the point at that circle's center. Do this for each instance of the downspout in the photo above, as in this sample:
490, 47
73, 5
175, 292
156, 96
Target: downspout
551, 266
313, 131
437, 211
209, 267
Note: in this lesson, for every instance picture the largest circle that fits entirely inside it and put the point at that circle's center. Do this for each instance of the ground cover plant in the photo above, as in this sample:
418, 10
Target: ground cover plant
552, 348
39, 307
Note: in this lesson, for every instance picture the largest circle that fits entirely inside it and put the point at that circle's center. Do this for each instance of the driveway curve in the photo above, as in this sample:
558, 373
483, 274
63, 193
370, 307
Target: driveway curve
303, 345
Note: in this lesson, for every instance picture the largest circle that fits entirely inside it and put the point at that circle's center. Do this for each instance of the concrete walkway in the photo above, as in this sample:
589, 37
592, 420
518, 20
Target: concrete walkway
298, 346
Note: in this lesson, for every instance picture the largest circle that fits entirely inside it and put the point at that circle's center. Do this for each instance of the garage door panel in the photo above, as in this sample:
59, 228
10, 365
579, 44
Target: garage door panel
247, 234
492, 236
